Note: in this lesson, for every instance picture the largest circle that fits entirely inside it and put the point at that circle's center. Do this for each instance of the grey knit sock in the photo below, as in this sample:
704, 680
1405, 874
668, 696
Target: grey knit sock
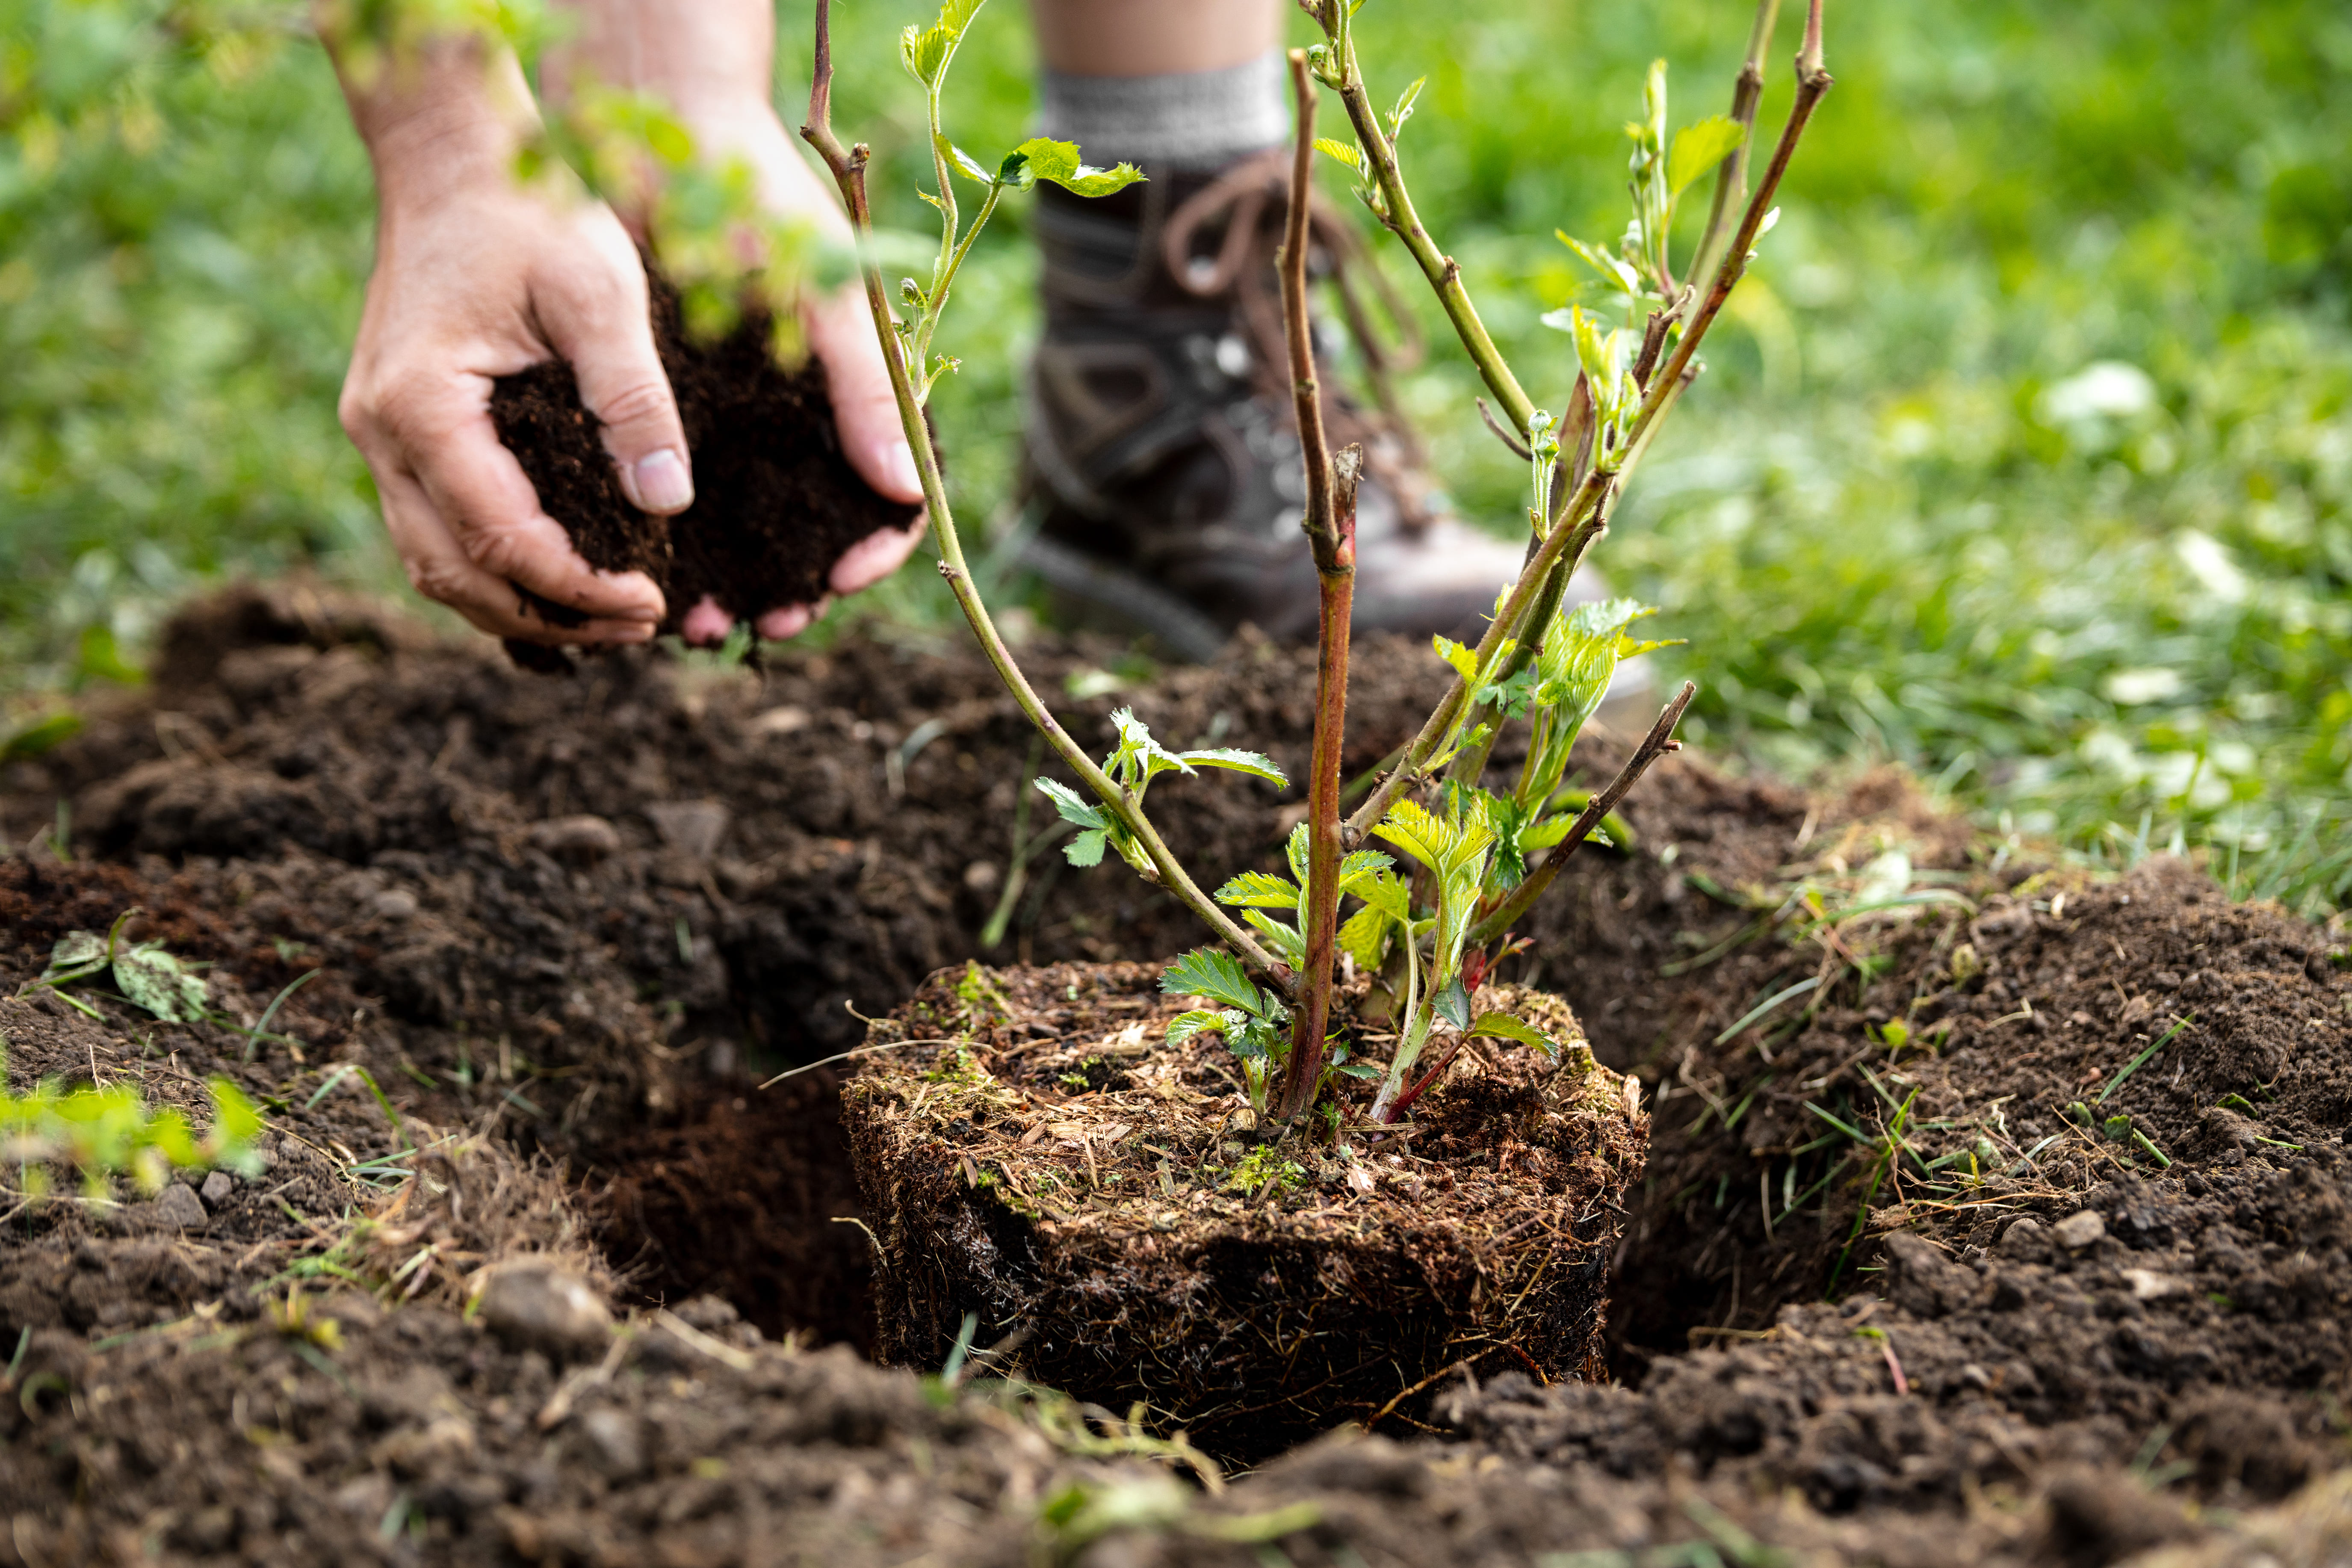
1187, 120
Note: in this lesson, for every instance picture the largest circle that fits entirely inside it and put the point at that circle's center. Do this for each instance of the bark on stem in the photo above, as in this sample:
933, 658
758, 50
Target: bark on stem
1443, 273
848, 168
1330, 525
1580, 517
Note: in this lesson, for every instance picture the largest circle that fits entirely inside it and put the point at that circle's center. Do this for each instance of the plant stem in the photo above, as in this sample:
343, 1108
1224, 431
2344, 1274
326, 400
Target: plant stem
1582, 516
849, 169
1731, 177
1330, 525
1445, 274
1654, 744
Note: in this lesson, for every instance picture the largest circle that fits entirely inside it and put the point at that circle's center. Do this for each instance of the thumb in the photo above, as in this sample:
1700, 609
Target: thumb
865, 411
609, 341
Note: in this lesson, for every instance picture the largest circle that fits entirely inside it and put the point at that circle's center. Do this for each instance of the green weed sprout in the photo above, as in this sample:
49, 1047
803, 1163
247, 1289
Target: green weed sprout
1475, 858
106, 1132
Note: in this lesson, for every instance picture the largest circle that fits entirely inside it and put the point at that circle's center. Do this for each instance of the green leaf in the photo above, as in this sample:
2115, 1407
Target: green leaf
1285, 936
926, 51
1404, 110
39, 736
1138, 759
1361, 865
1047, 158
160, 983
1453, 1005
1250, 762
1086, 848
1504, 1027
1341, 153
235, 1121
1296, 849
964, 164
1206, 972
1259, 888
1359, 1069
1385, 891
1699, 148
1464, 661
1200, 1020
1363, 936
1073, 806
76, 954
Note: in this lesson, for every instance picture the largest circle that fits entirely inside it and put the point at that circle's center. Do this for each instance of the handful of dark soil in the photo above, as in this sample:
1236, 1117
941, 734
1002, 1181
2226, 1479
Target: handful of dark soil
776, 500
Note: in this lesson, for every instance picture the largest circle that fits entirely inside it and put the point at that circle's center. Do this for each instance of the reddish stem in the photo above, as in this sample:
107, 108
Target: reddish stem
1330, 525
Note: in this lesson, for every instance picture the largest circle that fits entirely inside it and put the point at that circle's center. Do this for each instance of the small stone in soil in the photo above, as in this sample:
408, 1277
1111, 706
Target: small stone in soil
552, 1310
692, 827
178, 1209
2079, 1230
216, 1189
581, 837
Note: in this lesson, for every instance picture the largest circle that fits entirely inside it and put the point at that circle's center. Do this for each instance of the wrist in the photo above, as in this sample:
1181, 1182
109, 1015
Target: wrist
450, 114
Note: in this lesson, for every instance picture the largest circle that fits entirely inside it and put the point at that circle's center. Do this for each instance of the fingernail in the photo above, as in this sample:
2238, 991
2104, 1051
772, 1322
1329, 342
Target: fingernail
898, 463
659, 483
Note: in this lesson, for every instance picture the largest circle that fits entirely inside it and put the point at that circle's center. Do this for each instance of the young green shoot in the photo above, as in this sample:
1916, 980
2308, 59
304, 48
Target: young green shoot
1479, 857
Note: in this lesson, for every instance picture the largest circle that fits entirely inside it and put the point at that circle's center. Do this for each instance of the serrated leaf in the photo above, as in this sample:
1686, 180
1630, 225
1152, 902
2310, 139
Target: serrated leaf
1059, 162
1254, 763
1453, 1005
1200, 1020
154, 980
1698, 148
1360, 1069
1086, 848
1285, 936
1504, 1027
1359, 865
1385, 891
1206, 972
1363, 936
1073, 806
1341, 153
1295, 849
926, 51
1464, 661
1261, 889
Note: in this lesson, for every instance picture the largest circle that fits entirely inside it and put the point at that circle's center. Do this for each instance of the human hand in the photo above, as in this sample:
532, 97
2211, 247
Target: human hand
479, 276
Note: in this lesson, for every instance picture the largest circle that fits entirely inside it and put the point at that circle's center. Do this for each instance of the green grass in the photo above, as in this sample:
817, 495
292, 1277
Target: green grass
1893, 519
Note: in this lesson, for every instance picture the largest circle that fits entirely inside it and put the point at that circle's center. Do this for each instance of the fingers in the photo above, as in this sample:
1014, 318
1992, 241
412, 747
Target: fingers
792, 620
874, 557
707, 623
841, 333
439, 568
449, 486
597, 318
483, 498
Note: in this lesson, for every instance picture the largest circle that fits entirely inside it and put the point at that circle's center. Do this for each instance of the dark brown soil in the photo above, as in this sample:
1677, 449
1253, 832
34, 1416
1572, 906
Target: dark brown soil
1042, 1167
776, 500
522, 891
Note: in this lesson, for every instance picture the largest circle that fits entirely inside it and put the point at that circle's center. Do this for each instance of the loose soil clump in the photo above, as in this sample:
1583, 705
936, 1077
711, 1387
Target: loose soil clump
1032, 1152
776, 499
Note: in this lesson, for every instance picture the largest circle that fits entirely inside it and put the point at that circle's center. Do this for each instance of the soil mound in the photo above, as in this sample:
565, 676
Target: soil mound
2004, 1213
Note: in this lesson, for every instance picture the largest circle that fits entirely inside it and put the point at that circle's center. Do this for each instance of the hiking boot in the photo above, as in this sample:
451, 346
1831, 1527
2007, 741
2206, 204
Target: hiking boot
1162, 450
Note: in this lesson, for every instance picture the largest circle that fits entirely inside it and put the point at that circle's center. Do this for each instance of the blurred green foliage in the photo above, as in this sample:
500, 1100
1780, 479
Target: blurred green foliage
2027, 463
